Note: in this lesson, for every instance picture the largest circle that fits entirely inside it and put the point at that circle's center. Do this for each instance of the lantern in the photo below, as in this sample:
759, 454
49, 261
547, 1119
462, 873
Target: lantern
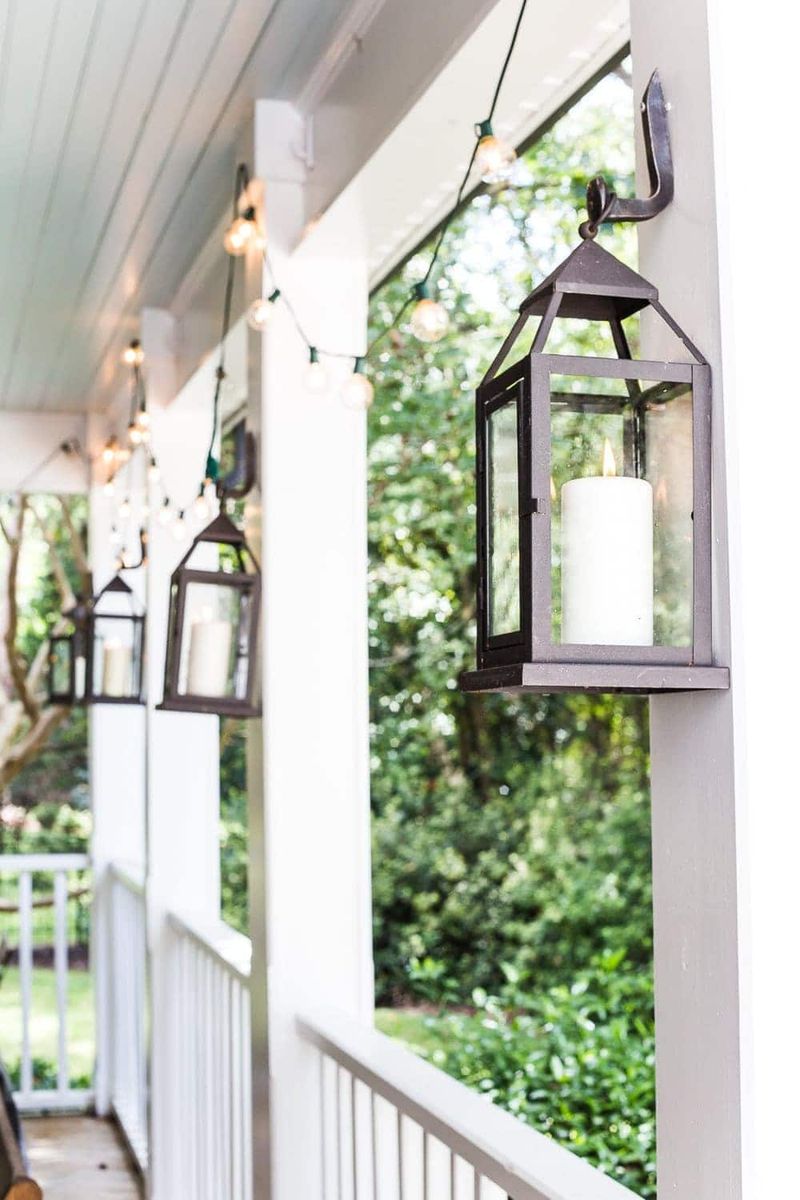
593, 482
212, 637
67, 658
115, 643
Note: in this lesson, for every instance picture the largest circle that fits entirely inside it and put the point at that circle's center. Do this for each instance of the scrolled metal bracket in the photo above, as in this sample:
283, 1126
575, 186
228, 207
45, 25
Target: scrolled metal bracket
603, 205
240, 480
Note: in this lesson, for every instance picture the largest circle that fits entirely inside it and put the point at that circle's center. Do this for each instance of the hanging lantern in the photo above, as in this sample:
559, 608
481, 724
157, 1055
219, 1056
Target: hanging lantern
212, 637
115, 644
67, 658
98, 659
594, 502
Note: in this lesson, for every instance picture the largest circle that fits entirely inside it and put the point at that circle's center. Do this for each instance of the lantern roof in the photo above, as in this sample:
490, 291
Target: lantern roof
221, 529
594, 285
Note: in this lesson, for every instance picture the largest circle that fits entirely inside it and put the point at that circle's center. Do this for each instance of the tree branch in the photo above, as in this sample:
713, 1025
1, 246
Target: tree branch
78, 548
28, 747
16, 664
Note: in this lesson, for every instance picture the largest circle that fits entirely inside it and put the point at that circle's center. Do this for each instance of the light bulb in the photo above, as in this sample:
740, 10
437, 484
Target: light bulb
494, 158
109, 452
429, 319
316, 377
108, 487
133, 355
153, 471
357, 392
179, 527
261, 310
125, 509
240, 233
165, 513
134, 434
115, 537
123, 454
143, 418
201, 507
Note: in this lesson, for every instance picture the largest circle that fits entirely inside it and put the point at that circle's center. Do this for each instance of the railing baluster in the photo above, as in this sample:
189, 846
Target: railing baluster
477, 1185
452, 1175
25, 976
323, 1129
61, 965
374, 1144
425, 1164
400, 1172
339, 1163
354, 1135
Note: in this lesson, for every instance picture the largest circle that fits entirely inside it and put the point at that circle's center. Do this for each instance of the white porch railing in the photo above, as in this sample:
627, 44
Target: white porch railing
393, 1127
20, 906
211, 972
128, 1008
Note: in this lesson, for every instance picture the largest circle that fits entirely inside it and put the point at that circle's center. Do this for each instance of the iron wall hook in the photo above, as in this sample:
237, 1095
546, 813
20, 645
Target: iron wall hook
602, 203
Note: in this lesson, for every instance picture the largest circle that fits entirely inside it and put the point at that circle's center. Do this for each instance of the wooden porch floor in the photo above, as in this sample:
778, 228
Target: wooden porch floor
80, 1158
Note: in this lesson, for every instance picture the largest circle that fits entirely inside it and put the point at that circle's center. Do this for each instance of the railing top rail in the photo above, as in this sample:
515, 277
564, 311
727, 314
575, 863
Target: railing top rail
16, 863
229, 947
524, 1163
129, 875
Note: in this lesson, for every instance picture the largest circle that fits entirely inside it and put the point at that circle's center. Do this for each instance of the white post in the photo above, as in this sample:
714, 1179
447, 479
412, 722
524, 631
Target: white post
182, 756
310, 862
726, 823
117, 786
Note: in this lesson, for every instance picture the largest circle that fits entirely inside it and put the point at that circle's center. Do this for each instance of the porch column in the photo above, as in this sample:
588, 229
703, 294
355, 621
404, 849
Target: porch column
726, 822
309, 812
182, 757
116, 781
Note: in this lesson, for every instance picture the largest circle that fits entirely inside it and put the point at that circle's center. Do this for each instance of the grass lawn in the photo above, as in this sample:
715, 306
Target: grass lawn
417, 1028
44, 1020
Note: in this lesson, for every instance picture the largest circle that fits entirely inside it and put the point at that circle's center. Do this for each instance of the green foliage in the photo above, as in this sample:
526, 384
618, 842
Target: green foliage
233, 824
576, 1062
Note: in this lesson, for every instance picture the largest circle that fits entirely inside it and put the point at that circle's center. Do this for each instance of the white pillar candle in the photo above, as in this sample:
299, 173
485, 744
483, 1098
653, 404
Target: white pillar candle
607, 560
116, 669
209, 656
80, 676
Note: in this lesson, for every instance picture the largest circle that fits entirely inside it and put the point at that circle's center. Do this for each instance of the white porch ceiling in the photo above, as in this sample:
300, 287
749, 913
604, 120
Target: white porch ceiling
118, 128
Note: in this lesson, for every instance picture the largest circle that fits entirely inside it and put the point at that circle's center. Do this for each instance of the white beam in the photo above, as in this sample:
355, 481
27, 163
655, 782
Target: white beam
35, 463
310, 861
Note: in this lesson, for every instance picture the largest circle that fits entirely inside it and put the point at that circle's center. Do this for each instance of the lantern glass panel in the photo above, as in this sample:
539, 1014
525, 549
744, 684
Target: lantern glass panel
215, 642
503, 540
61, 666
116, 657
621, 532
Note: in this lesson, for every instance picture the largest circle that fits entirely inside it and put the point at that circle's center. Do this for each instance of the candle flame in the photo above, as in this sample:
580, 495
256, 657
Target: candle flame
609, 462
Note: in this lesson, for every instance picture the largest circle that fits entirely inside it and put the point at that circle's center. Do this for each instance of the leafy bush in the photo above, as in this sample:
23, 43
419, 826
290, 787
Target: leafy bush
577, 1063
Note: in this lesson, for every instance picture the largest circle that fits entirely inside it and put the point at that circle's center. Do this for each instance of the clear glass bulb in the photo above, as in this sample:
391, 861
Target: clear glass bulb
202, 509
358, 393
316, 377
259, 314
179, 528
108, 487
239, 236
134, 435
429, 320
123, 454
164, 514
154, 472
494, 159
125, 509
133, 355
109, 453
143, 418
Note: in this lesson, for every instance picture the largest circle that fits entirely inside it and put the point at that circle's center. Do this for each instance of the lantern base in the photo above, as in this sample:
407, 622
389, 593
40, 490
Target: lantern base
631, 678
217, 706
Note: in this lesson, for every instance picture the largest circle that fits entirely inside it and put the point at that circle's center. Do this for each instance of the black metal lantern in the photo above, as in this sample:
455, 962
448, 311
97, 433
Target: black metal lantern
67, 659
115, 644
212, 638
594, 485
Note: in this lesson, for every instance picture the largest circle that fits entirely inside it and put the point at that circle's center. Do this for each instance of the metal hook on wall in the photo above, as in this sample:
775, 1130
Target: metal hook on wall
602, 203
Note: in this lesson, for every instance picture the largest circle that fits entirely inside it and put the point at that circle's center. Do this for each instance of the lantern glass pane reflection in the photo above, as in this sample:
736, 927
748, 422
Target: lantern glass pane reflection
503, 485
621, 476
60, 689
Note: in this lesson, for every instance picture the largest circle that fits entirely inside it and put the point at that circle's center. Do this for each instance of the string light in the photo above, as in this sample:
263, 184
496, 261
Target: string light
261, 311
165, 513
242, 229
494, 157
429, 319
316, 377
201, 506
153, 470
125, 508
109, 452
133, 354
179, 527
108, 487
358, 393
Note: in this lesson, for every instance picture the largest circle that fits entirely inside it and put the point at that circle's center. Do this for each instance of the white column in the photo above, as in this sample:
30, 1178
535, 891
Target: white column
309, 814
182, 755
116, 783
726, 822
